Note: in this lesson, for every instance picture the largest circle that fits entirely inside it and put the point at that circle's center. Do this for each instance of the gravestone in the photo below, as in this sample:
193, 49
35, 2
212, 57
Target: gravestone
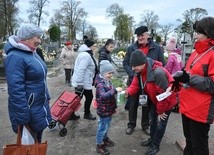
120, 72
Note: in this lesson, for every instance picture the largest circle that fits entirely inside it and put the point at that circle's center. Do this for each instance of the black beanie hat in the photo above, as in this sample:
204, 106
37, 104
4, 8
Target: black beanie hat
89, 43
205, 26
141, 30
137, 58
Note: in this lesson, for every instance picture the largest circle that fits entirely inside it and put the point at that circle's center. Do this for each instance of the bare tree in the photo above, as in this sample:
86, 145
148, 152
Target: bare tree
149, 19
194, 14
72, 15
166, 30
189, 18
114, 11
36, 10
91, 32
122, 21
84, 26
57, 19
8, 20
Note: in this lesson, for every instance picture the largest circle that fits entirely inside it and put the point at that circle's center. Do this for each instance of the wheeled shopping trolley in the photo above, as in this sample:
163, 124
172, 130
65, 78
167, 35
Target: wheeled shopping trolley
61, 110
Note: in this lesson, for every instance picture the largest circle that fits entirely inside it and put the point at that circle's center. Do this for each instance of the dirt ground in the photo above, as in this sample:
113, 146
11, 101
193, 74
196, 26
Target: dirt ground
81, 135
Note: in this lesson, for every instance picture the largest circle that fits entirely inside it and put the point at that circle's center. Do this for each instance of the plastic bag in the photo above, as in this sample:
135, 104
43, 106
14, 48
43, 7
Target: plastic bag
27, 138
121, 99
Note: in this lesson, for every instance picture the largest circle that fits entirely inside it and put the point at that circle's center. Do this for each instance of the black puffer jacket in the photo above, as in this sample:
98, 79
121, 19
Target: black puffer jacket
104, 54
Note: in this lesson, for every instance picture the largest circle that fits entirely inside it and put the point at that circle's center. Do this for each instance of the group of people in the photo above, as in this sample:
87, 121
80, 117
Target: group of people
88, 73
193, 84
28, 93
149, 76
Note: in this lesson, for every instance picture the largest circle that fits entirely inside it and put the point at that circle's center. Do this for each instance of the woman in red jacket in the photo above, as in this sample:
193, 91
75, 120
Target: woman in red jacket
151, 80
197, 97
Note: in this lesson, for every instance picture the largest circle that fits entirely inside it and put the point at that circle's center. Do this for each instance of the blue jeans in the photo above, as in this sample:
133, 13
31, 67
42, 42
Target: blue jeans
157, 129
102, 129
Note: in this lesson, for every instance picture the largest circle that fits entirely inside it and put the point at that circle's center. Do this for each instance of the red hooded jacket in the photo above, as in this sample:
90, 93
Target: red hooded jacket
156, 80
197, 100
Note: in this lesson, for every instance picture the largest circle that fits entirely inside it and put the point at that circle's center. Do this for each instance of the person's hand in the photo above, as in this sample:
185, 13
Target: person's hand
168, 89
79, 90
162, 116
126, 94
119, 89
181, 76
176, 86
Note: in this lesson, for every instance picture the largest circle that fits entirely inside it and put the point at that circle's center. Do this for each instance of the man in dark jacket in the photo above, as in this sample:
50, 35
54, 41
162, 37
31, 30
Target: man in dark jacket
153, 51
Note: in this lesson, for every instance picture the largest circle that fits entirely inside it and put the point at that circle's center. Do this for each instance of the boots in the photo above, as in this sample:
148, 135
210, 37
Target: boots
152, 150
108, 142
74, 117
90, 117
102, 149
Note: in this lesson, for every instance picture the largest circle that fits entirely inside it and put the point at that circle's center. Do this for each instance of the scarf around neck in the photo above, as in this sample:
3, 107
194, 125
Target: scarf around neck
204, 45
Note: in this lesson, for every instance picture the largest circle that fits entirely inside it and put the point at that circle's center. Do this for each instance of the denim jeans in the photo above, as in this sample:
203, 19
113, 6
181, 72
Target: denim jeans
102, 129
157, 129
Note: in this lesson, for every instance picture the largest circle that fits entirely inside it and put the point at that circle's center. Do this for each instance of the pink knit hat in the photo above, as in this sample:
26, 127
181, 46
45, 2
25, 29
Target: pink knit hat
172, 44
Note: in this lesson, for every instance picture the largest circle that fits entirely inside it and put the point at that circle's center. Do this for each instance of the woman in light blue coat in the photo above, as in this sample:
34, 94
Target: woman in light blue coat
85, 70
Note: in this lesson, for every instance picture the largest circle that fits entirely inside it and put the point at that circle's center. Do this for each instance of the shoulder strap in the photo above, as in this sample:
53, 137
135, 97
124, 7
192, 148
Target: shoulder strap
96, 68
142, 85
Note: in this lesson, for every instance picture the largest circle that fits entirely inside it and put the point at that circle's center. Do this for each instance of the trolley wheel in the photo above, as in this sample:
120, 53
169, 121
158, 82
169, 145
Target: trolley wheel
63, 132
52, 124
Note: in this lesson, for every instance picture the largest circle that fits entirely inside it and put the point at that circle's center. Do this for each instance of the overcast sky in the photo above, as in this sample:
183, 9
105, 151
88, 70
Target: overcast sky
167, 10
